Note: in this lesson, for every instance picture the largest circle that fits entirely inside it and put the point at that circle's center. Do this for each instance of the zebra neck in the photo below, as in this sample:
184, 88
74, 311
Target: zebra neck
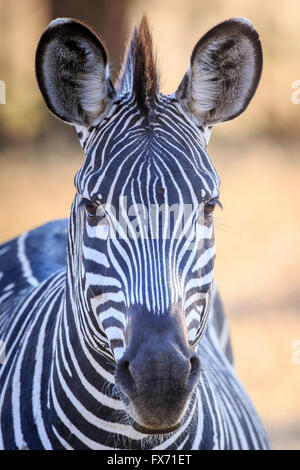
81, 385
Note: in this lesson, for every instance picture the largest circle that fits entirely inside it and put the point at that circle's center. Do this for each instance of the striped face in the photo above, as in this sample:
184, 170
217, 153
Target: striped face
145, 196
141, 241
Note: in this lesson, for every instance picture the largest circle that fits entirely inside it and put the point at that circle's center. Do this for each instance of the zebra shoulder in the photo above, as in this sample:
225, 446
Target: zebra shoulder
31, 257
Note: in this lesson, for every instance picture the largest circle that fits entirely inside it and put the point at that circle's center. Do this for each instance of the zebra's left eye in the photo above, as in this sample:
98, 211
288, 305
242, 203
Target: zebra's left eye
209, 206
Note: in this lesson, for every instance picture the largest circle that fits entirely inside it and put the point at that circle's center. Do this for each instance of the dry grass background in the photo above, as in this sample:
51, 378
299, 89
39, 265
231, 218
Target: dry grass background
257, 156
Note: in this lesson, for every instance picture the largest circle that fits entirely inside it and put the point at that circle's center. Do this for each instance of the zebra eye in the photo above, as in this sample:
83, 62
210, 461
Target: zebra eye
91, 208
209, 206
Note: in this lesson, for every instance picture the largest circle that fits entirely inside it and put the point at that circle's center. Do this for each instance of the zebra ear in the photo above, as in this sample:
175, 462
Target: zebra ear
71, 70
225, 69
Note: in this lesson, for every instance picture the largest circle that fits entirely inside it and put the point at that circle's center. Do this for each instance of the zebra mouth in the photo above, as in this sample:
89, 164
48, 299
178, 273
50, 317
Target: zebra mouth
145, 430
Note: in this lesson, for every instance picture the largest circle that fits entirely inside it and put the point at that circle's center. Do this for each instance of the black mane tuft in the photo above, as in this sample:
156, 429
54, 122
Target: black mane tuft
140, 70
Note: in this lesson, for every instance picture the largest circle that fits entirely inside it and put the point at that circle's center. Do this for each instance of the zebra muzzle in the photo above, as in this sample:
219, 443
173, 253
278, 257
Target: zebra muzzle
157, 381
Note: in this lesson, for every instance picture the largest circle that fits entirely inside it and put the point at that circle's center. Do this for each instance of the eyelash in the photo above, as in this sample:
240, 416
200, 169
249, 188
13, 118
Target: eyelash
210, 205
93, 210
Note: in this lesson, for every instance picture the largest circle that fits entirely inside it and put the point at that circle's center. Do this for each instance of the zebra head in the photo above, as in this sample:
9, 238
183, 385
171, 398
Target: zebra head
141, 239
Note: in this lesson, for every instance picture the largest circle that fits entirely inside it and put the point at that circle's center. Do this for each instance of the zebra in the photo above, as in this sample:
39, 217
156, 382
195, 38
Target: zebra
114, 331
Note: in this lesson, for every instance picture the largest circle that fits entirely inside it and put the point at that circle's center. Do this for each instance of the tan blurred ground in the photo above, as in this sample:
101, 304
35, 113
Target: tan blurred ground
257, 156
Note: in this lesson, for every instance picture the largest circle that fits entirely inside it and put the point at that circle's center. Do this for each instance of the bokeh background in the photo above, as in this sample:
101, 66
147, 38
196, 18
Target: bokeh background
257, 156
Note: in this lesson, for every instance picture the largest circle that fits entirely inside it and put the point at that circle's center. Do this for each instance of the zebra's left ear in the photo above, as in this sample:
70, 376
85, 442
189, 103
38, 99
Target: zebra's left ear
72, 72
225, 69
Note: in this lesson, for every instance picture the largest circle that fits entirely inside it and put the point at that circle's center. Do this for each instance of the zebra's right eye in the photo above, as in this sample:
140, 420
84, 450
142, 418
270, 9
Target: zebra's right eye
95, 212
91, 208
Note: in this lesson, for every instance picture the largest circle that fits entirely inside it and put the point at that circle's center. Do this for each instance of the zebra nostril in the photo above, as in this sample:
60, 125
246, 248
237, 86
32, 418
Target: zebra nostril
194, 375
124, 377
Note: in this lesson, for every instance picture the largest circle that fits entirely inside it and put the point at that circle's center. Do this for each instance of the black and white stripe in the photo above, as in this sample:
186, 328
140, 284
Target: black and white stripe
66, 315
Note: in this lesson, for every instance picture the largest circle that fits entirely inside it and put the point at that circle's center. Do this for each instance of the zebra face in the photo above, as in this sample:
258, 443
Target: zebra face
146, 203
141, 242
145, 198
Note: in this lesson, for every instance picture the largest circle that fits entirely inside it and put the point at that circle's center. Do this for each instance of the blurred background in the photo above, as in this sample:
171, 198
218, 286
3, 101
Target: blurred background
256, 155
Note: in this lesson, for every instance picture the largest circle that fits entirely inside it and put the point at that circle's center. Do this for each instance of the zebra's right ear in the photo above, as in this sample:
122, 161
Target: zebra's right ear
72, 72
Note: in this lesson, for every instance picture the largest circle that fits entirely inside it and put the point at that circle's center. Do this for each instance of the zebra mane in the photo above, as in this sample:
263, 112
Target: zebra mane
139, 75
